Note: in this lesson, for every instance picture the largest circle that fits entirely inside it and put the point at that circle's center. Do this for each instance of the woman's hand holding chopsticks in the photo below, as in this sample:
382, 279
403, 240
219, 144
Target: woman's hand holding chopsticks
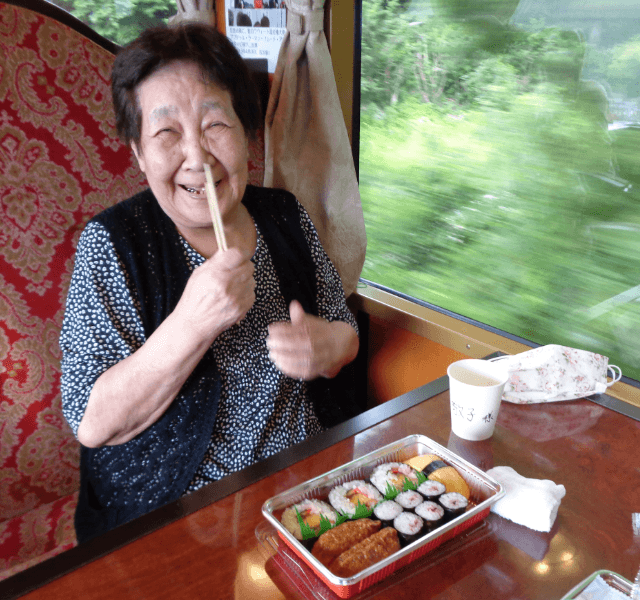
219, 294
132, 394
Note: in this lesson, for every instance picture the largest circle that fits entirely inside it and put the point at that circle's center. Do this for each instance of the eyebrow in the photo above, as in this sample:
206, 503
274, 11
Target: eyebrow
161, 112
214, 105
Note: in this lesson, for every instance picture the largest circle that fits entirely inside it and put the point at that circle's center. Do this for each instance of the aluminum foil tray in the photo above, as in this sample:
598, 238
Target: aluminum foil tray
613, 580
484, 492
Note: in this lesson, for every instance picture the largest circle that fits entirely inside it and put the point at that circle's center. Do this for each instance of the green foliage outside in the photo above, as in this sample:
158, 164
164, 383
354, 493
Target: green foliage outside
490, 183
120, 21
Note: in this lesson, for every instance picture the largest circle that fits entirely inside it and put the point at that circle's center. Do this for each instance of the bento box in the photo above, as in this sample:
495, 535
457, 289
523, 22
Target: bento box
483, 492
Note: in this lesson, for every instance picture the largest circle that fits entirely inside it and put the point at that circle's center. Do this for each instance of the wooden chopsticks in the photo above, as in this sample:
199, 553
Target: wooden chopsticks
210, 190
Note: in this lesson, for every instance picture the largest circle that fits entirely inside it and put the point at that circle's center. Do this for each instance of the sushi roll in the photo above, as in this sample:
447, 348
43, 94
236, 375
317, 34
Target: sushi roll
409, 527
454, 504
409, 499
386, 512
432, 490
347, 497
313, 515
391, 478
431, 513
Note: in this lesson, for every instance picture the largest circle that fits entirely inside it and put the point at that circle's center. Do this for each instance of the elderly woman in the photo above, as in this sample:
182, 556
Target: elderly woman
182, 362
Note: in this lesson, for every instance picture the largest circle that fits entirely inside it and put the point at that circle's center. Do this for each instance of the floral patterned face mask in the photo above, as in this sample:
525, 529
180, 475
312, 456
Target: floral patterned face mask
553, 373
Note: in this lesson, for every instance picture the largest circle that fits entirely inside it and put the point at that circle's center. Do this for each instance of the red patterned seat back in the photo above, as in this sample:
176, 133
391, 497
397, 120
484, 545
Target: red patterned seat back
60, 163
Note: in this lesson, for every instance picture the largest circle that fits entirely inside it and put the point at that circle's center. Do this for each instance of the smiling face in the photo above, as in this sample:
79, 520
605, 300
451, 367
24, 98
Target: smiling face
187, 122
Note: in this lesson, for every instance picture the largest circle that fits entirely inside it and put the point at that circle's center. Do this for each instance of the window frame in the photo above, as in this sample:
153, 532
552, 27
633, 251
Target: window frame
430, 321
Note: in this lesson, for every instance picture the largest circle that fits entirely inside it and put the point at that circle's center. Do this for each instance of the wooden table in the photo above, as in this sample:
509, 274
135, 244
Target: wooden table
203, 547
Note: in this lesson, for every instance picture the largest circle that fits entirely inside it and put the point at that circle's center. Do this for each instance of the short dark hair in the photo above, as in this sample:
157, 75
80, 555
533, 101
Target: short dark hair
202, 45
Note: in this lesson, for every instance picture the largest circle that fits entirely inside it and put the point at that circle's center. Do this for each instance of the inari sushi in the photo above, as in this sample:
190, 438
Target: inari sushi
345, 498
368, 552
334, 542
390, 477
312, 513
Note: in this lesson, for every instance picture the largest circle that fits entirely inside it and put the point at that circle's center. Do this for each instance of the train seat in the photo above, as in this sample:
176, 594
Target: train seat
60, 163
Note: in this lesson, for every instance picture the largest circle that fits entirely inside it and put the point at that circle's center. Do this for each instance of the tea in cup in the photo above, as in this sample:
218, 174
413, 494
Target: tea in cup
475, 391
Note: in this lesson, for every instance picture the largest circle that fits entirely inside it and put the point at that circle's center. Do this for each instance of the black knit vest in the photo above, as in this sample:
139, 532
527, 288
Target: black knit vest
119, 483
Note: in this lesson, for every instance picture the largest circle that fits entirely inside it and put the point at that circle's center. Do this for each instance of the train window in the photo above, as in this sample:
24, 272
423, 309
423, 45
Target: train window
120, 21
499, 164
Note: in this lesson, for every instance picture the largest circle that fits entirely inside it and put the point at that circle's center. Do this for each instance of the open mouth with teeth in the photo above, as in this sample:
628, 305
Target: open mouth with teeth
197, 191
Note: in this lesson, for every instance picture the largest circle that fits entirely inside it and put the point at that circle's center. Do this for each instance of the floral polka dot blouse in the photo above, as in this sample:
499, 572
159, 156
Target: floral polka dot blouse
261, 411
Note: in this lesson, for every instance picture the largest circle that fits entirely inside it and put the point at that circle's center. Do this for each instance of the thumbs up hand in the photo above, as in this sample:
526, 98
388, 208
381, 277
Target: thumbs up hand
310, 347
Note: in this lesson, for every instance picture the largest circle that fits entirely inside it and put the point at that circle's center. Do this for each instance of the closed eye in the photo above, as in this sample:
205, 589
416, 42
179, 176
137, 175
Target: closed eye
164, 132
167, 136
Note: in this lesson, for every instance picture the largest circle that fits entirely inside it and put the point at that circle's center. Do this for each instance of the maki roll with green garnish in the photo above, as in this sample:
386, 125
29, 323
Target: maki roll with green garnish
308, 519
393, 478
355, 499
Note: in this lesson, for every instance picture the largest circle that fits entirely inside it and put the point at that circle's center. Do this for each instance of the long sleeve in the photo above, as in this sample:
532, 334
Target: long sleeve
331, 299
101, 324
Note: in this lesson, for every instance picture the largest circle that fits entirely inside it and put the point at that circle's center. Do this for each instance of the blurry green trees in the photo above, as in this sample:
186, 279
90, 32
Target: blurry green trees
490, 182
120, 21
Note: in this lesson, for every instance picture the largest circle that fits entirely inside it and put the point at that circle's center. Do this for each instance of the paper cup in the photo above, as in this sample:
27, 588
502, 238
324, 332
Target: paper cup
475, 390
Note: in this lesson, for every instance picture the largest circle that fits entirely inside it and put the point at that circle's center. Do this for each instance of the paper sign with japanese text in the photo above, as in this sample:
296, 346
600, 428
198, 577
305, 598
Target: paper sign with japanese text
256, 28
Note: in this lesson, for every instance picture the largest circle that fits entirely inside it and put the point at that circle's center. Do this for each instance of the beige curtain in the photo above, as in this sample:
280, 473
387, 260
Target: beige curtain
200, 11
307, 145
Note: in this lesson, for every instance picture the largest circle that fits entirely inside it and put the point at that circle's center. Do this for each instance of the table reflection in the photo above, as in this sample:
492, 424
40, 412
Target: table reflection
217, 550
479, 454
546, 422
252, 579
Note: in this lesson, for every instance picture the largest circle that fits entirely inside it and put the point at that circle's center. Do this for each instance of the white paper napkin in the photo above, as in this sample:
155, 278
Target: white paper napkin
533, 503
